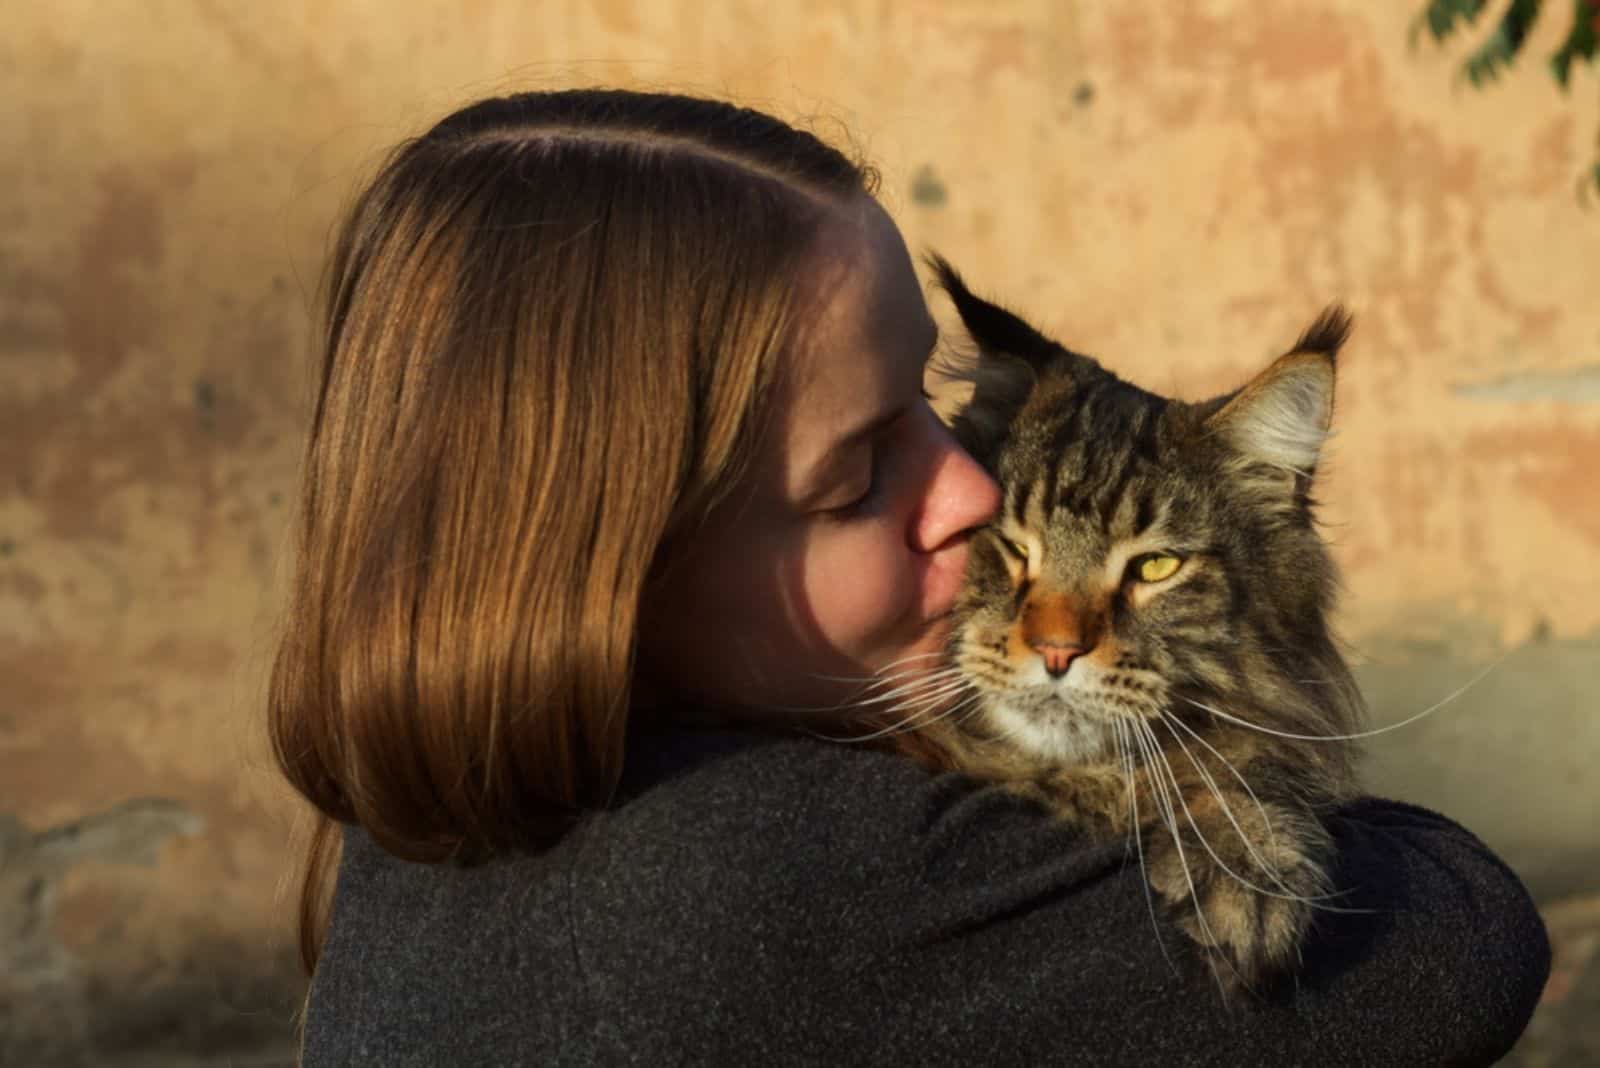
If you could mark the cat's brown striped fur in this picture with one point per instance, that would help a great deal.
(1106, 698)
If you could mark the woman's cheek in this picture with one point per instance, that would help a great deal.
(862, 586)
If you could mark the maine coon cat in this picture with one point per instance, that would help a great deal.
(1143, 627)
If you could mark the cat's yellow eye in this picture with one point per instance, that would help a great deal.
(1157, 567)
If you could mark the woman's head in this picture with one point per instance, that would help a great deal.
(839, 554)
(566, 337)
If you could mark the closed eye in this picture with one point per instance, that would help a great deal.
(1016, 549)
(852, 509)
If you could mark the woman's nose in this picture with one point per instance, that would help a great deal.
(960, 496)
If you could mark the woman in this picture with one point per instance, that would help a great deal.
(621, 471)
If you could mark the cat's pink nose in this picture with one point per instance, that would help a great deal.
(1058, 656)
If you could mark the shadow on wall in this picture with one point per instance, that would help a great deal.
(1511, 758)
(216, 998)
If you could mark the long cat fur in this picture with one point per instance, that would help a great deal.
(1140, 736)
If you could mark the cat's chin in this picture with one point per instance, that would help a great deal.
(1053, 729)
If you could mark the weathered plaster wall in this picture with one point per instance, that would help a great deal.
(1175, 188)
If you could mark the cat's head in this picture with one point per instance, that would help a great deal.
(1151, 557)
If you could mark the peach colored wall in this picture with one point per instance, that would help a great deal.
(1174, 188)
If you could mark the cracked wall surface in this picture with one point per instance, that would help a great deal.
(1176, 189)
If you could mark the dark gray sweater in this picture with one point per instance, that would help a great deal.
(755, 900)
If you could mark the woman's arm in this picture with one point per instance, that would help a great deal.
(1453, 944)
(822, 901)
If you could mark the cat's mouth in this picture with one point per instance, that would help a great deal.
(1101, 695)
(1094, 703)
(1053, 726)
(1076, 714)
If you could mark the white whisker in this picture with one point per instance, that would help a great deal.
(1350, 737)
(882, 672)
(1227, 809)
(1271, 834)
(1163, 803)
(1152, 749)
(1125, 749)
(910, 721)
(901, 693)
(1287, 894)
(912, 690)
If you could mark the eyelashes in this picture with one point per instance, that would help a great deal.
(880, 455)
(856, 508)
(846, 512)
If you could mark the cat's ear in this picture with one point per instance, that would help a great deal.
(1281, 418)
(1010, 355)
(998, 332)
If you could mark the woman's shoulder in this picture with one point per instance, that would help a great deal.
(704, 803)
(789, 834)
(794, 889)
(807, 804)
(750, 778)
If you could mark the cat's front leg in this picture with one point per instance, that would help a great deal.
(1240, 879)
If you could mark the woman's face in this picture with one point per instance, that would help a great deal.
(840, 556)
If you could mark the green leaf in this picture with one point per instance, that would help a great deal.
(1580, 43)
(1502, 45)
(1443, 16)
(1587, 181)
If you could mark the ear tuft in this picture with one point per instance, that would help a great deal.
(996, 330)
(1327, 334)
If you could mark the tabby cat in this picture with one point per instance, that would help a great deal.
(1144, 630)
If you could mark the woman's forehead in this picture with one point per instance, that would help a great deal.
(866, 323)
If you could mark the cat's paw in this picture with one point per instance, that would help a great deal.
(1247, 902)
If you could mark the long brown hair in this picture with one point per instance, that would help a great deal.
(548, 330)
